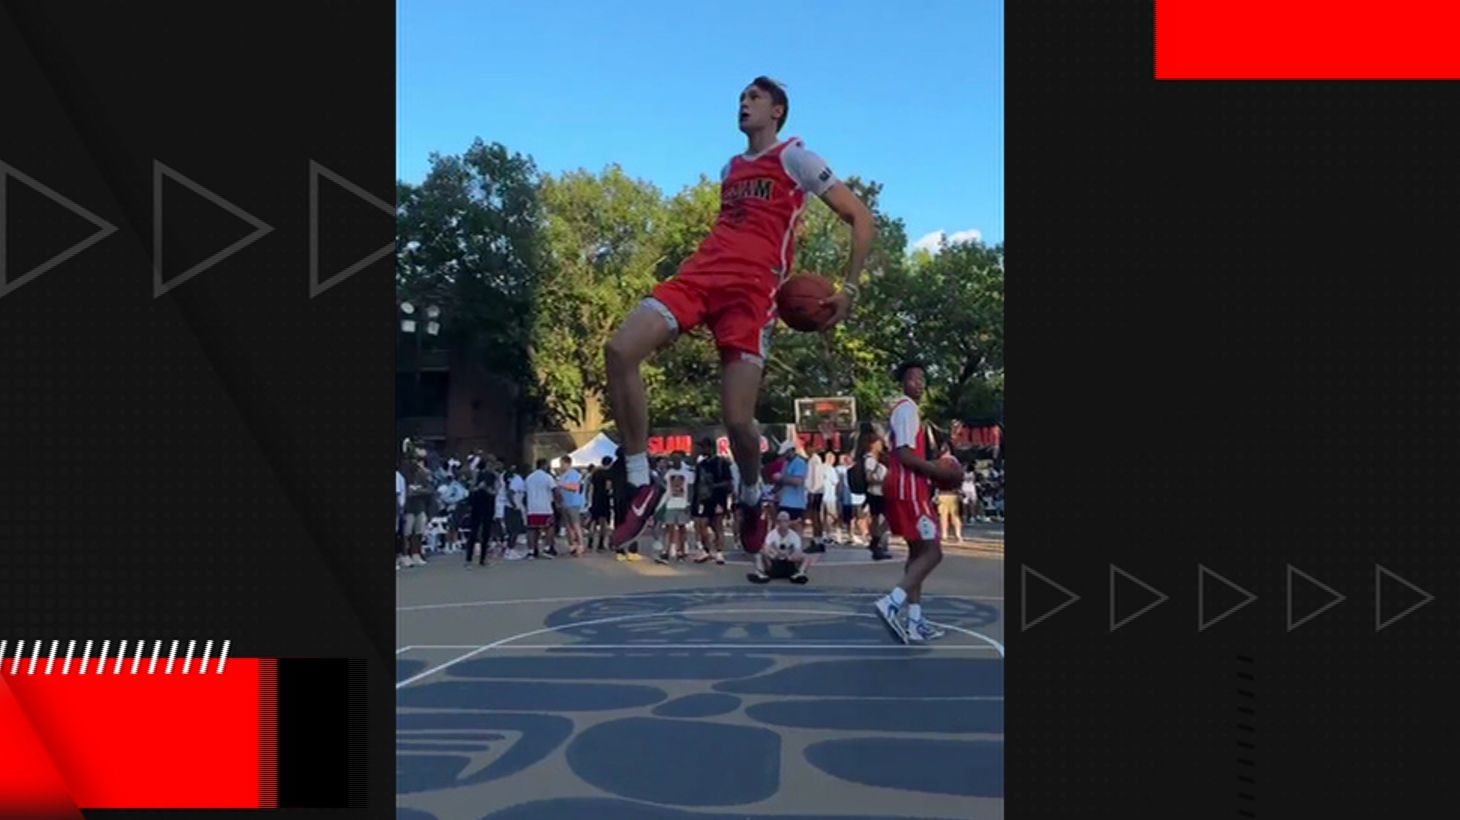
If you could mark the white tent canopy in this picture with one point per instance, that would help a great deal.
(594, 451)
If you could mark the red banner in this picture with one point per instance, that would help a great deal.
(100, 738)
(1307, 39)
(963, 435)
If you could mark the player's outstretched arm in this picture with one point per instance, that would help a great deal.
(864, 230)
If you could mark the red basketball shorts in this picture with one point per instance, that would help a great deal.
(912, 518)
(738, 308)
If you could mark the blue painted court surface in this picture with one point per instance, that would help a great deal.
(589, 688)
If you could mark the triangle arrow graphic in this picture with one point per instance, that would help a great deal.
(1338, 598)
(1379, 574)
(1161, 597)
(1202, 621)
(161, 172)
(316, 286)
(103, 229)
(1024, 622)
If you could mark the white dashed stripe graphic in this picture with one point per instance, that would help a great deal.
(83, 665)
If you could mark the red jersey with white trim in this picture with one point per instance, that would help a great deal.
(905, 430)
(761, 200)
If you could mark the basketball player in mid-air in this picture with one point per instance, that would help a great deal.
(908, 491)
(729, 285)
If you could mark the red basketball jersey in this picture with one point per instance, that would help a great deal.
(905, 430)
(760, 204)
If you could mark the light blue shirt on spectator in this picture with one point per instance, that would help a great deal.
(795, 497)
(571, 499)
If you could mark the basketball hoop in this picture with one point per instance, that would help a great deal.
(826, 415)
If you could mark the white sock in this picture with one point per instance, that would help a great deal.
(898, 596)
(915, 612)
(750, 494)
(637, 465)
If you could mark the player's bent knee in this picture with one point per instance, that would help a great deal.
(617, 354)
(742, 430)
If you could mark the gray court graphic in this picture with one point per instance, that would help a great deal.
(792, 706)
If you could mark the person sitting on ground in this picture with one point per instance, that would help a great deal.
(782, 555)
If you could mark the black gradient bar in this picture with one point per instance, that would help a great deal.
(314, 733)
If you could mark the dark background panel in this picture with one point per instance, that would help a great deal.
(212, 463)
(314, 733)
(1233, 319)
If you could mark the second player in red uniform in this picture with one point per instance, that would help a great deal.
(729, 285)
(908, 492)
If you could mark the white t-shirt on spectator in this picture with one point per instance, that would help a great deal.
(790, 543)
(677, 488)
(876, 473)
(815, 476)
(540, 486)
(400, 492)
(518, 490)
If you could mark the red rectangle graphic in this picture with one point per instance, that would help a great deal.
(1307, 40)
(120, 739)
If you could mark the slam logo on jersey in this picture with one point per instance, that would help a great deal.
(757, 188)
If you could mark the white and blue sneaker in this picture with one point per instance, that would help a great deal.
(921, 631)
(892, 614)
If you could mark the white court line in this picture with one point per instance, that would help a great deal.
(642, 615)
(631, 595)
(409, 648)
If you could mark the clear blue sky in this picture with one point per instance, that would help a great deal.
(910, 94)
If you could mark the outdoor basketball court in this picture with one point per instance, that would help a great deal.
(590, 688)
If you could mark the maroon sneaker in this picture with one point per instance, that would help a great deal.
(640, 511)
(752, 527)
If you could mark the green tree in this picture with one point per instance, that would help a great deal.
(946, 309)
(601, 254)
(468, 238)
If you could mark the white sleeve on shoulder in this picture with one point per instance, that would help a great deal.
(905, 424)
(809, 170)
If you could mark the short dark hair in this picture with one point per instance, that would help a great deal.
(778, 97)
(607, 460)
(541, 463)
(900, 372)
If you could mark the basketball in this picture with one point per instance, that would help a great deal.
(950, 485)
(799, 302)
